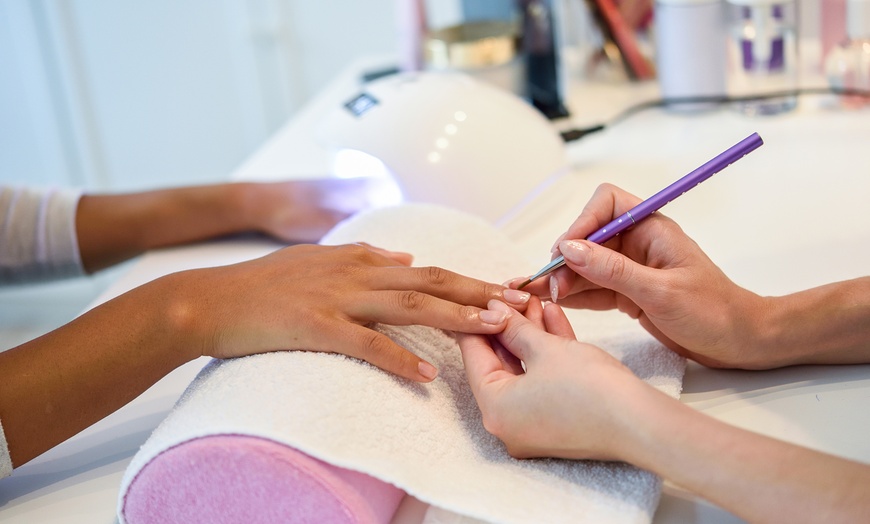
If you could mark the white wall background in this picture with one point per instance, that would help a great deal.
(121, 94)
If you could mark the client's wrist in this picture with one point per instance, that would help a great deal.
(243, 205)
(185, 323)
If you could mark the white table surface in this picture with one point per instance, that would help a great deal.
(792, 215)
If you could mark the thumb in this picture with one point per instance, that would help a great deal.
(522, 337)
(609, 269)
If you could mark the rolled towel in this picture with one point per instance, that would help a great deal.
(427, 439)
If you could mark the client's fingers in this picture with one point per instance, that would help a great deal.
(409, 307)
(441, 283)
(377, 349)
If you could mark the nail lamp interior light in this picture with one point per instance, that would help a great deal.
(447, 139)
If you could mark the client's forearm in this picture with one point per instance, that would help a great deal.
(825, 325)
(755, 477)
(59, 384)
(113, 228)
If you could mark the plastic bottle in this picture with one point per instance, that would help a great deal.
(690, 50)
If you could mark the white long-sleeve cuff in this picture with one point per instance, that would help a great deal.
(38, 239)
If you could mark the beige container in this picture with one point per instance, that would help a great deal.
(486, 50)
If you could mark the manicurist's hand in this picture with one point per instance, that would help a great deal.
(658, 275)
(576, 401)
(573, 401)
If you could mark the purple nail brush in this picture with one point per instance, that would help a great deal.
(660, 199)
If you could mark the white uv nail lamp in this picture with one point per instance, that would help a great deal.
(448, 139)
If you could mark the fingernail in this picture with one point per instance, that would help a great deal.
(493, 317)
(575, 252)
(558, 241)
(498, 305)
(516, 280)
(554, 289)
(515, 296)
(427, 370)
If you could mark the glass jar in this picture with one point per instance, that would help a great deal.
(763, 55)
(847, 65)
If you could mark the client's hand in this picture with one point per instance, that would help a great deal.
(321, 298)
(658, 275)
(304, 210)
(115, 227)
(302, 297)
(573, 401)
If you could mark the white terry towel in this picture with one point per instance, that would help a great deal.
(427, 439)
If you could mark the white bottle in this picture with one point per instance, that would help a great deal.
(847, 66)
(690, 50)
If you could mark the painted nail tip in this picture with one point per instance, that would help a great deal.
(516, 297)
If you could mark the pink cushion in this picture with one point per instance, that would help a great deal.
(235, 478)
